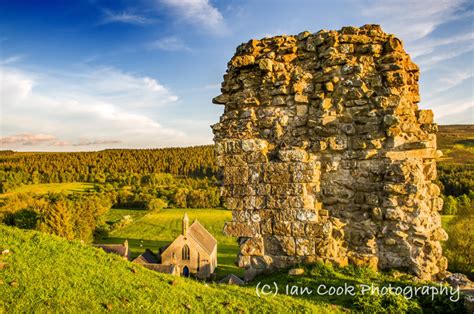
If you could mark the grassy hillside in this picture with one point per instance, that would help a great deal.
(49, 274)
(457, 144)
(156, 229)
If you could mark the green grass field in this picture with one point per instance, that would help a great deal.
(44, 188)
(156, 229)
(47, 274)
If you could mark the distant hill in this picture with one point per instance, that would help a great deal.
(49, 274)
(457, 143)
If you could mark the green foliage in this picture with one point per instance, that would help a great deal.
(72, 216)
(450, 206)
(373, 292)
(385, 303)
(459, 249)
(456, 179)
(156, 204)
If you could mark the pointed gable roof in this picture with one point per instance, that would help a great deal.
(202, 237)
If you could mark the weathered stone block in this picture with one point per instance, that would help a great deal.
(252, 246)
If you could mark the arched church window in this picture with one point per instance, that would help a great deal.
(185, 252)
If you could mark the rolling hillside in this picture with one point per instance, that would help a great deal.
(49, 274)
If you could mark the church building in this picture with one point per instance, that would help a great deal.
(194, 251)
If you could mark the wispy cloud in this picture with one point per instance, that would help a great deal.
(430, 45)
(124, 17)
(69, 110)
(26, 139)
(412, 20)
(11, 59)
(427, 61)
(91, 142)
(169, 44)
(198, 12)
(447, 80)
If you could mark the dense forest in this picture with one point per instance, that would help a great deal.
(121, 165)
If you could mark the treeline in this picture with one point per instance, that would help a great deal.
(73, 216)
(123, 166)
(455, 179)
(160, 190)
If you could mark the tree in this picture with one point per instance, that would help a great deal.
(156, 204)
(450, 206)
(460, 245)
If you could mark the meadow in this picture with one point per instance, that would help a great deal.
(43, 188)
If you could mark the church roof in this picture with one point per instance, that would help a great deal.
(202, 237)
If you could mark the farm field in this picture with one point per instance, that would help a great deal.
(155, 229)
(43, 188)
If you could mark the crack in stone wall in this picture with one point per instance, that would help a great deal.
(325, 155)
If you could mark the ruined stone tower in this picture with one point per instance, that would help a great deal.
(325, 155)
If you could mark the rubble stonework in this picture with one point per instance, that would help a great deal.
(325, 155)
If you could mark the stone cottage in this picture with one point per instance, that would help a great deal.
(119, 249)
(194, 251)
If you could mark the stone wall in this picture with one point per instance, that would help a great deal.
(325, 155)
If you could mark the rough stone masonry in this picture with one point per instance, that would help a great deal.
(325, 155)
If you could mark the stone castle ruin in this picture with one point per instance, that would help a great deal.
(325, 155)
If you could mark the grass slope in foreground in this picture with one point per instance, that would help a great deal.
(48, 273)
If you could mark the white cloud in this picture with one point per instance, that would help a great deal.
(412, 20)
(124, 17)
(92, 107)
(169, 44)
(442, 111)
(198, 12)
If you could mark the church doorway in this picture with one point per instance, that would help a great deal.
(185, 271)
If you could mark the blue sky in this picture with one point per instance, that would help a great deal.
(89, 75)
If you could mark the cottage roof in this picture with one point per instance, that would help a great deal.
(148, 257)
(202, 237)
(119, 249)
